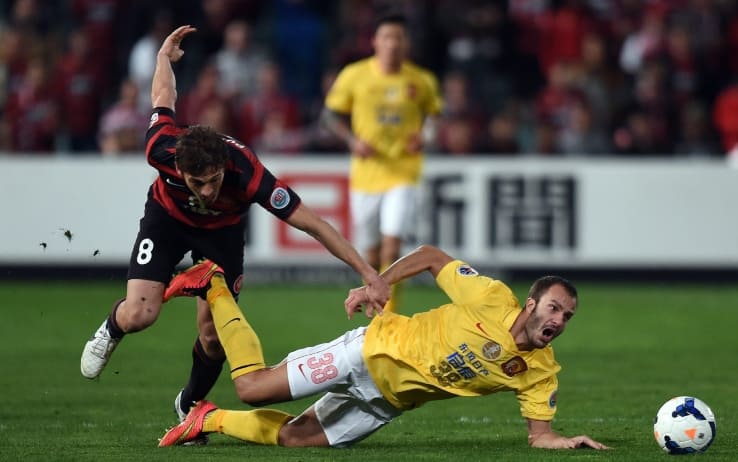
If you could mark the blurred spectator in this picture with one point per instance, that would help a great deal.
(501, 135)
(33, 16)
(123, 126)
(30, 119)
(142, 59)
(636, 137)
(270, 107)
(684, 75)
(456, 136)
(481, 39)
(598, 81)
(98, 19)
(277, 135)
(217, 114)
(695, 138)
(192, 104)
(79, 89)
(563, 29)
(354, 32)
(239, 62)
(645, 41)
(13, 60)
(461, 116)
(652, 106)
(558, 100)
(545, 139)
(579, 136)
(458, 100)
(299, 41)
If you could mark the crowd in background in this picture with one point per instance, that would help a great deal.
(555, 77)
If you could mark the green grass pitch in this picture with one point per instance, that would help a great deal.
(629, 349)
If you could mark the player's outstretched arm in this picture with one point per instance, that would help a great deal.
(424, 258)
(163, 84)
(540, 435)
(305, 219)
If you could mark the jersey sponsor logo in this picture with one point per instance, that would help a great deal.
(473, 360)
(491, 350)
(466, 270)
(280, 198)
(154, 119)
(552, 399)
(515, 366)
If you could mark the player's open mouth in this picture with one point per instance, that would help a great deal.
(548, 333)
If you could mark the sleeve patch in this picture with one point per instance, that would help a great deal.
(552, 399)
(154, 119)
(466, 270)
(280, 198)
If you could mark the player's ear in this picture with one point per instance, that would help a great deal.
(529, 304)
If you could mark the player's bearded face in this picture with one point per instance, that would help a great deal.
(205, 187)
(549, 317)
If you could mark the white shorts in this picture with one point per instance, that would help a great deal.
(353, 408)
(391, 213)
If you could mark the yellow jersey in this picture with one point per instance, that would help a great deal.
(386, 110)
(464, 348)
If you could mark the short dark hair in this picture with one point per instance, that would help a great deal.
(200, 149)
(391, 18)
(542, 284)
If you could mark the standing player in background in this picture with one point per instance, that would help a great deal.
(380, 106)
(206, 183)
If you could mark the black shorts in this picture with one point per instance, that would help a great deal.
(163, 241)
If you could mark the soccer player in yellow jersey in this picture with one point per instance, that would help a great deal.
(380, 106)
(482, 342)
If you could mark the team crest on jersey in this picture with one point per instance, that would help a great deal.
(280, 198)
(154, 119)
(514, 366)
(466, 270)
(491, 350)
(552, 399)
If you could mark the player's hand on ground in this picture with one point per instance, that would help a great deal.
(170, 47)
(584, 441)
(361, 148)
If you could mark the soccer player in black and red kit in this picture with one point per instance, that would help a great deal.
(206, 183)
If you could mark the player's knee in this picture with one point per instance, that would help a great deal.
(289, 438)
(255, 389)
(302, 431)
(137, 315)
(248, 390)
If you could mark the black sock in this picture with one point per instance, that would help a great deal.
(115, 331)
(205, 372)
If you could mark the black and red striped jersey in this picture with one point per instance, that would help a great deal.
(246, 180)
